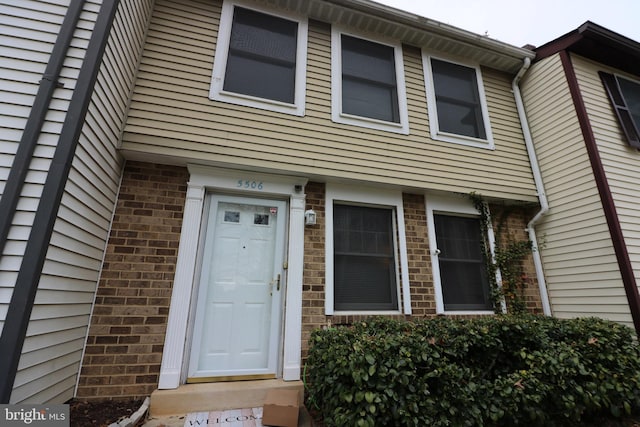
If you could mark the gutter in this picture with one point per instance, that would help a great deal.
(537, 178)
(398, 16)
(33, 127)
(22, 299)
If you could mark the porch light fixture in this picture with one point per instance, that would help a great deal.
(310, 217)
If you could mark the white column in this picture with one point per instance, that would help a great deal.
(293, 311)
(175, 339)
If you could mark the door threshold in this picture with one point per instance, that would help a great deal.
(196, 380)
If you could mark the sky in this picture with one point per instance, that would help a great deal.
(521, 22)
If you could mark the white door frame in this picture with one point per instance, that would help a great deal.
(173, 370)
(278, 222)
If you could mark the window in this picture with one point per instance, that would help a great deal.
(463, 276)
(365, 251)
(368, 84)
(459, 270)
(364, 258)
(260, 60)
(624, 95)
(457, 107)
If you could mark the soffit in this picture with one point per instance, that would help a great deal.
(373, 18)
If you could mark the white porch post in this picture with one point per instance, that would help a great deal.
(174, 343)
(293, 312)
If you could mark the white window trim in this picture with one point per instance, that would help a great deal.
(336, 87)
(450, 206)
(216, 91)
(374, 197)
(436, 134)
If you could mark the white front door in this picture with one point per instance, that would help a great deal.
(238, 311)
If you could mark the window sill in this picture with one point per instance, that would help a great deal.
(366, 122)
(467, 313)
(255, 102)
(487, 144)
(365, 313)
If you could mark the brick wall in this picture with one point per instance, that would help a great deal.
(126, 336)
(510, 222)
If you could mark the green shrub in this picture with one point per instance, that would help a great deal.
(498, 370)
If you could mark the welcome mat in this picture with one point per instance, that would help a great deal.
(248, 417)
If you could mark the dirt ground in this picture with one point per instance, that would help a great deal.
(101, 414)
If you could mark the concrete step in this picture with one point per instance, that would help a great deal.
(215, 396)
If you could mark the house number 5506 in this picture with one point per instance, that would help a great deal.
(248, 184)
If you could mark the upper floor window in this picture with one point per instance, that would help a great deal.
(260, 60)
(457, 107)
(368, 83)
(459, 271)
(624, 95)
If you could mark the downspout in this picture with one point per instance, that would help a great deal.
(21, 305)
(537, 178)
(33, 127)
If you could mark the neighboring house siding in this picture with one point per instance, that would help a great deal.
(172, 115)
(28, 32)
(53, 348)
(580, 265)
(620, 161)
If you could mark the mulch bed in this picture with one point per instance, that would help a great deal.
(101, 413)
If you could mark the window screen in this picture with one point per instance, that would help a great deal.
(463, 276)
(457, 99)
(364, 261)
(369, 80)
(262, 56)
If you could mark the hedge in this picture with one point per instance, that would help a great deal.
(498, 371)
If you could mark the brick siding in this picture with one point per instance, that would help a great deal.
(126, 336)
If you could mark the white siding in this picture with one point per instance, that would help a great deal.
(620, 161)
(579, 262)
(172, 116)
(52, 352)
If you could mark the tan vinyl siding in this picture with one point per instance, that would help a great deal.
(579, 261)
(53, 349)
(172, 115)
(620, 161)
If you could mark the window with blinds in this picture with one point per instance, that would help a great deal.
(364, 259)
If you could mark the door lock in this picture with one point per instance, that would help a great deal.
(277, 282)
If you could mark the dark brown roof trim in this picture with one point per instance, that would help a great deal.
(599, 44)
(615, 230)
